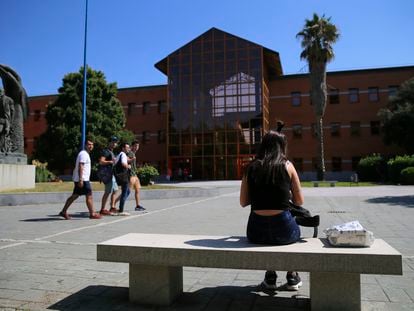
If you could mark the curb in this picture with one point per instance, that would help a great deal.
(32, 198)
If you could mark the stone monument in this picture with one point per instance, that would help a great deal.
(14, 171)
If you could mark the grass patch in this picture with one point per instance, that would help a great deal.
(67, 186)
(339, 184)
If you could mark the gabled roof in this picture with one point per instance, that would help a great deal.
(271, 58)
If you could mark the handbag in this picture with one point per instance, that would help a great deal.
(104, 173)
(121, 173)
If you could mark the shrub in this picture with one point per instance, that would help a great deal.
(146, 173)
(42, 173)
(407, 175)
(372, 168)
(396, 165)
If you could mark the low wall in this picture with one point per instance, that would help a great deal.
(17, 176)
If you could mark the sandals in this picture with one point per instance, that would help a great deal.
(65, 215)
(95, 216)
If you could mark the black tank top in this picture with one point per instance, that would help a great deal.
(269, 195)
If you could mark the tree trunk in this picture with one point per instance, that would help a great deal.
(319, 96)
(321, 153)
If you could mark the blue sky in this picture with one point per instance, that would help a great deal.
(43, 39)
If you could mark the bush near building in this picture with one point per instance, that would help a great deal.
(396, 165)
(372, 168)
(146, 174)
(407, 176)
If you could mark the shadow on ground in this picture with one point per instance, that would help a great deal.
(407, 200)
(79, 215)
(99, 297)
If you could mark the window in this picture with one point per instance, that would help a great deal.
(313, 130)
(130, 107)
(162, 106)
(36, 115)
(295, 98)
(392, 90)
(353, 95)
(373, 94)
(298, 163)
(335, 129)
(375, 127)
(315, 164)
(334, 96)
(297, 130)
(355, 128)
(161, 136)
(25, 142)
(145, 137)
(336, 164)
(145, 107)
(355, 162)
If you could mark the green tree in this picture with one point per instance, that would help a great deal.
(105, 117)
(318, 36)
(398, 118)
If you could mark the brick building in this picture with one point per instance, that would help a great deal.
(224, 92)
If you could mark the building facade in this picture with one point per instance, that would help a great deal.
(225, 92)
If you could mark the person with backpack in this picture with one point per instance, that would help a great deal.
(122, 176)
(105, 174)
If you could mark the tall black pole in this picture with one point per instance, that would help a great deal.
(84, 81)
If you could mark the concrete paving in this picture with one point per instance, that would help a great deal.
(49, 263)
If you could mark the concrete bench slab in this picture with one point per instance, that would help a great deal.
(156, 262)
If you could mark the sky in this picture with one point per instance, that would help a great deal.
(44, 39)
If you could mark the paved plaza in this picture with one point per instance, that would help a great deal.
(47, 263)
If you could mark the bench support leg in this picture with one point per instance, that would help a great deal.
(155, 285)
(335, 291)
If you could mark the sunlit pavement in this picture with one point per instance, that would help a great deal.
(49, 263)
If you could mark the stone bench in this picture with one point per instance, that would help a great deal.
(156, 264)
(330, 182)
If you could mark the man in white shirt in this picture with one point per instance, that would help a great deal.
(81, 175)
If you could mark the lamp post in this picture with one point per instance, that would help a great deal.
(84, 81)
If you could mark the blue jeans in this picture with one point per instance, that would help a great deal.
(124, 196)
(274, 230)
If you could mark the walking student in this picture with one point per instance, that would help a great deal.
(268, 185)
(134, 180)
(107, 158)
(81, 175)
(121, 172)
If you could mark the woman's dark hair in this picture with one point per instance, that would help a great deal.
(271, 159)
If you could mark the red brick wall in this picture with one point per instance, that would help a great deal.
(364, 111)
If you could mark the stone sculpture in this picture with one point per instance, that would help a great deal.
(13, 111)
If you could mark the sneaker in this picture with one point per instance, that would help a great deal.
(139, 208)
(269, 281)
(293, 281)
(95, 216)
(105, 212)
(123, 214)
(113, 210)
(65, 215)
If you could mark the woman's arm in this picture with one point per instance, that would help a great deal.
(297, 196)
(244, 193)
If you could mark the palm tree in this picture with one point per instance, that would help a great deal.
(317, 37)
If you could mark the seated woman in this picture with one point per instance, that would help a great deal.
(270, 181)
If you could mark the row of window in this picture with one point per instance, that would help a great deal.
(146, 137)
(335, 129)
(336, 163)
(353, 95)
(146, 107)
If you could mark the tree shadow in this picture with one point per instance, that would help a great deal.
(100, 297)
(74, 216)
(406, 201)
